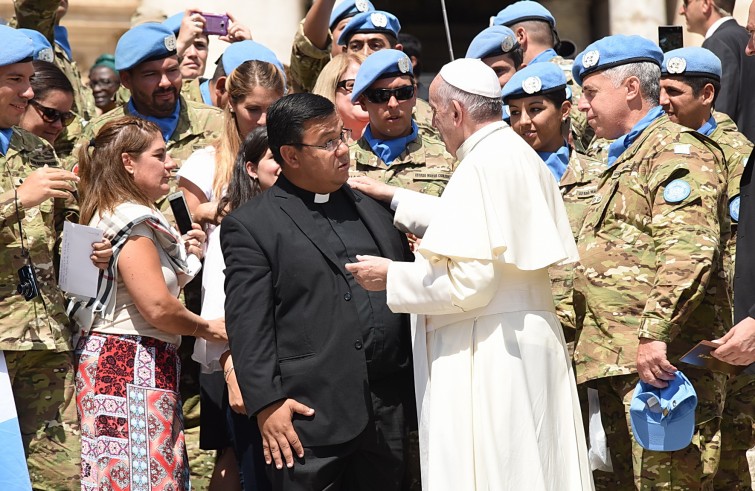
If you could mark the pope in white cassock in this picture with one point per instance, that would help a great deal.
(496, 396)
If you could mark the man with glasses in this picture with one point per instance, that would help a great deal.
(392, 148)
(726, 39)
(322, 364)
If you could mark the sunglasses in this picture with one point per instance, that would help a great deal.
(380, 96)
(50, 115)
(347, 85)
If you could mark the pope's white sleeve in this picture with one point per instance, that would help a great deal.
(414, 211)
(440, 285)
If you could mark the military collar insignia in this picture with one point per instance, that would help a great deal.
(170, 42)
(404, 64)
(532, 85)
(362, 5)
(676, 65)
(46, 54)
(591, 58)
(379, 20)
(507, 44)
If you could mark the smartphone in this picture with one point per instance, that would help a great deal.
(670, 37)
(215, 24)
(180, 211)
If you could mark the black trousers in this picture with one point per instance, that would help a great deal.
(373, 461)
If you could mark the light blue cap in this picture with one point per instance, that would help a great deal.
(174, 22)
(493, 41)
(615, 50)
(523, 11)
(691, 62)
(664, 419)
(378, 21)
(540, 78)
(145, 42)
(248, 50)
(349, 8)
(15, 46)
(42, 47)
(381, 64)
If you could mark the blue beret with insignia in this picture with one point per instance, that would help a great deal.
(349, 8)
(42, 47)
(691, 62)
(378, 21)
(15, 46)
(145, 42)
(174, 22)
(248, 50)
(523, 11)
(381, 64)
(540, 78)
(493, 41)
(612, 51)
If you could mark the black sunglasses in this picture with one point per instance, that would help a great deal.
(347, 85)
(380, 96)
(50, 115)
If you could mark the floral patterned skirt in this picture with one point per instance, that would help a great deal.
(131, 420)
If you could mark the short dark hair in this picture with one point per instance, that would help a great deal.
(48, 77)
(287, 116)
(698, 84)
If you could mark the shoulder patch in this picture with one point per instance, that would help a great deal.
(734, 209)
(682, 149)
(676, 191)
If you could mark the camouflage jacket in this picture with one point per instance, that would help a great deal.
(651, 252)
(190, 90)
(39, 324)
(307, 61)
(423, 166)
(578, 186)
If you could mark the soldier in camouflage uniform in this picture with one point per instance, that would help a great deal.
(392, 149)
(690, 82)
(35, 335)
(44, 16)
(186, 126)
(651, 268)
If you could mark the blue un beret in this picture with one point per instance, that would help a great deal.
(522, 11)
(42, 47)
(248, 50)
(540, 78)
(691, 62)
(612, 51)
(381, 64)
(493, 41)
(349, 8)
(145, 42)
(174, 22)
(378, 21)
(15, 46)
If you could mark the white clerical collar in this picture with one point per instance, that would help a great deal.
(478, 136)
(714, 27)
(322, 198)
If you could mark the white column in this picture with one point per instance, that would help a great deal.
(637, 17)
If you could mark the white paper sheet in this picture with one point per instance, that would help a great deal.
(78, 275)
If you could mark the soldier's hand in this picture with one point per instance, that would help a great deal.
(192, 26)
(738, 346)
(278, 436)
(45, 183)
(236, 31)
(372, 188)
(652, 365)
(371, 272)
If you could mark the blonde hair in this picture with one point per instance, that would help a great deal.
(239, 84)
(105, 183)
(327, 81)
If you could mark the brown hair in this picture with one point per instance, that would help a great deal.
(240, 84)
(105, 183)
(327, 81)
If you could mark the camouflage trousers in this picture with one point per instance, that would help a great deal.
(44, 391)
(737, 435)
(635, 468)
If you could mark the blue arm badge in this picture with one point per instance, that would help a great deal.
(734, 209)
(677, 191)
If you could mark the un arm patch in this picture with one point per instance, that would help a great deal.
(734, 209)
(677, 191)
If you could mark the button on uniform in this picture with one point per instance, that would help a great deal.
(347, 296)
(358, 345)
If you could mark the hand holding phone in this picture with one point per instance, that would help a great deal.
(180, 211)
(215, 24)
